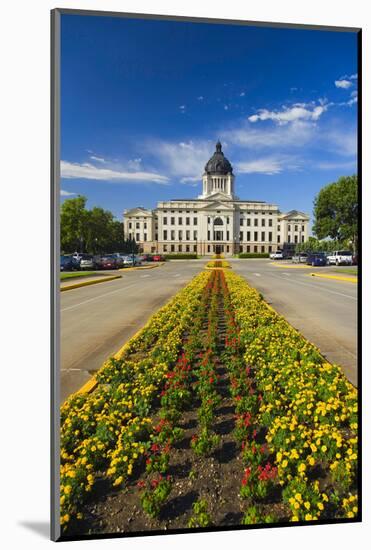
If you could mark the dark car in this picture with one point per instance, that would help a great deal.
(317, 259)
(67, 263)
(108, 261)
(146, 258)
(87, 261)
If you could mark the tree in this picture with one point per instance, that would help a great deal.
(73, 224)
(336, 211)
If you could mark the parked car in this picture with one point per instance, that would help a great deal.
(128, 261)
(67, 263)
(158, 258)
(300, 258)
(317, 259)
(146, 257)
(87, 262)
(340, 257)
(107, 261)
(276, 255)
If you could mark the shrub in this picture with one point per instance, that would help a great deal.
(181, 256)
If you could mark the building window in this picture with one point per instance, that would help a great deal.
(263, 249)
(296, 227)
(256, 222)
(289, 228)
(241, 221)
(208, 248)
(269, 249)
(188, 221)
(208, 219)
(263, 236)
(172, 221)
(188, 235)
(165, 247)
(248, 248)
(227, 248)
(208, 235)
(137, 237)
(172, 248)
(248, 221)
(278, 238)
(255, 236)
(270, 221)
(227, 219)
(172, 235)
(278, 228)
(145, 236)
(145, 225)
(187, 248)
(165, 235)
(227, 235)
(165, 220)
(248, 236)
(180, 248)
(296, 239)
(241, 236)
(156, 236)
(137, 225)
(270, 236)
(255, 248)
(263, 222)
(289, 239)
(302, 238)
(302, 228)
(194, 221)
(195, 248)
(130, 224)
(180, 235)
(180, 221)
(195, 235)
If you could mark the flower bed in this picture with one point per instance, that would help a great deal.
(218, 413)
(218, 264)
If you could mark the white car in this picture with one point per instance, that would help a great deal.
(340, 257)
(276, 255)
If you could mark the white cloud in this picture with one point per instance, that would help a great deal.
(268, 165)
(242, 94)
(66, 193)
(182, 108)
(339, 140)
(181, 159)
(74, 170)
(98, 159)
(190, 179)
(345, 84)
(200, 98)
(299, 111)
(226, 107)
(338, 165)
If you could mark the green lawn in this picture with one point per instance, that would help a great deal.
(350, 270)
(73, 274)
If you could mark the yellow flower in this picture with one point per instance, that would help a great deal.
(308, 517)
(284, 463)
(302, 467)
(298, 497)
(320, 506)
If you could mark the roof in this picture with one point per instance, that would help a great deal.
(218, 164)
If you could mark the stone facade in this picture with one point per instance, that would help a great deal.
(216, 222)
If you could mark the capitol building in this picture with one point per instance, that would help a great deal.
(216, 222)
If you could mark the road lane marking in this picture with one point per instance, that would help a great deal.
(318, 287)
(144, 276)
(257, 274)
(74, 306)
(177, 275)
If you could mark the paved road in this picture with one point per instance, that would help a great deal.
(97, 320)
(324, 310)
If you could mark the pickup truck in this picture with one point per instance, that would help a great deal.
(340, 257)
(276, 255)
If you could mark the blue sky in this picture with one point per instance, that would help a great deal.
(143, 103)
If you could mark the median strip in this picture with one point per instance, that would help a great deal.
(141, 267)
(290, 266)
(336, 277)
(91, 282)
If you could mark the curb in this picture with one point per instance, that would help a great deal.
(141, 267)
(336, 277)
(88, 283)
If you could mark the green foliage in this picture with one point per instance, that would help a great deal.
(315, 245)
(181, 256)
(336, 210)
(201, 517)
(153, 498)
(93, 231)
(253, 255)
